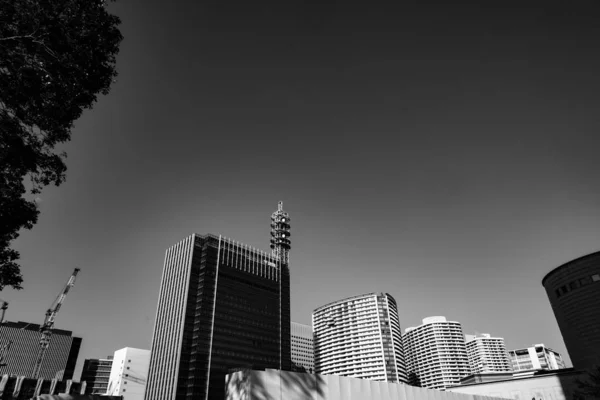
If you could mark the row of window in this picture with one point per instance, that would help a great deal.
(576, 284)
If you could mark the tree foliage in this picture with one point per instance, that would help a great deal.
(589, 388)
(56, 57)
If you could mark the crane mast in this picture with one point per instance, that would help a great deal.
(48, 325)
(3, 310)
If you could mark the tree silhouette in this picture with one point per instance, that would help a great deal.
(55, 58)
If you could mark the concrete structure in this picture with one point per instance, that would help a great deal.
(487, 354)
(281, 385)
(303, 354)
(537, 385)
(22, 388)
(95, 374)
(574, 293)
(360, 337)
(537, 356)
(129, 373)
(436, 356)
(222, 305)
(60, 359)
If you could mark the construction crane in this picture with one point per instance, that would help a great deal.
(48, 325)
(4, 349)
(4, 352)
(3, 310)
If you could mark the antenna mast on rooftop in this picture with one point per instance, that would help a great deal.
(280, 234)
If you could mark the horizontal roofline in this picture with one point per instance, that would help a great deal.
(563, 371)
(347, 299)
(569, 263)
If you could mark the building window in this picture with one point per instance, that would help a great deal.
(596, 278)
(585, 281)
(574, 285)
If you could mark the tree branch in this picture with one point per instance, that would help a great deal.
(30, 36)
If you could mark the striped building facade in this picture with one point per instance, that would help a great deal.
(360, 337)
(487, 354)
(95, 374)
(303, 353)
(60, 358)
(436, 355)
(222, 305)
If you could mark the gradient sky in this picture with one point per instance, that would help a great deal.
(445, 154)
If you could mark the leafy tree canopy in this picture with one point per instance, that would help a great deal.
(589, 387)
(56, 56)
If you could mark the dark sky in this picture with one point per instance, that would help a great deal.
(444, 153)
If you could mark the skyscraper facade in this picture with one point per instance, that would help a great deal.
(59, 361)
(436, 356)
(574, 293)
(222, 305)
(95, 374)
(360, 337)
(303, 354)
(536, 357)
(487, 354)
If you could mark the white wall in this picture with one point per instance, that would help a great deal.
(282, 385)
(129, 373)
(549, 387)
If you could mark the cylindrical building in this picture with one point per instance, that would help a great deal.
(436, 356)
(360, 337)
(574, 293)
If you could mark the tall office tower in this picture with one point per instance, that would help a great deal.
(95, 373)
(537, 356)
(128, 373)
(360, 337)
(222, 305)
(303, 355)
(436, 356)
(487, 354)
(60, 358)
(574, 293)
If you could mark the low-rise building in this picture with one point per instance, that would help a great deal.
(129, 373)
(536, 357)
(545, 385)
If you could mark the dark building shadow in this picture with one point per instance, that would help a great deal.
(582, 385)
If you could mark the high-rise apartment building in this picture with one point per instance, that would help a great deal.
(95, 374)
(574, 293)
(59, 361)
(222, 305)
(303, 355)
(487, 354)
(129, 373)
(537, 356)
(360, 337)
(436, 356)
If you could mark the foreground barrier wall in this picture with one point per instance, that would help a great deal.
(22, 388)
(283, 385)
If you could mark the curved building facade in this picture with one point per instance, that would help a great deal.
(436, 356)
(574, 293)
(360, 337)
